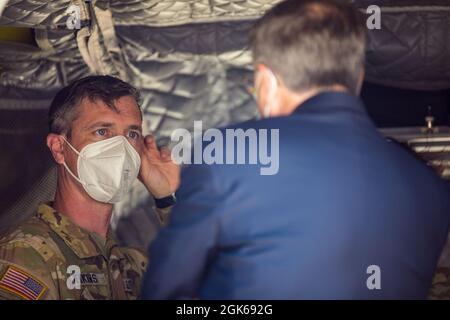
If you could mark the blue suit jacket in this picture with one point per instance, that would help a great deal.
(344, 199)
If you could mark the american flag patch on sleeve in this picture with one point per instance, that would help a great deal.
(21, 283)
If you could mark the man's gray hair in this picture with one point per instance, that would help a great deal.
(311, 43)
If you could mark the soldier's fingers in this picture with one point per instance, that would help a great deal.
(165, 153)
(150, 143)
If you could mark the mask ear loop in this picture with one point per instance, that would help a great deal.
(67, 167)
(273, 88)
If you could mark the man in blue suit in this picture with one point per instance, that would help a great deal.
(347, 215)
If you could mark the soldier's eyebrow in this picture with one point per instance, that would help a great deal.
(99, 124)
(135, 127)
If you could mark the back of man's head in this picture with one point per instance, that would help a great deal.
(312, 44)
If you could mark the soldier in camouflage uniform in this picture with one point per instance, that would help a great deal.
(44, 247)
(67, 250)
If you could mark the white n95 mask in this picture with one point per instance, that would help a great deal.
(107, 168)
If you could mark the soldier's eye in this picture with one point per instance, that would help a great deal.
(133, 135)
(101, 132)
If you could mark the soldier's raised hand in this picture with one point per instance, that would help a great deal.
(159, 174)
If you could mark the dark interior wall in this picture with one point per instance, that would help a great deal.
(24, 155)
(393, 107)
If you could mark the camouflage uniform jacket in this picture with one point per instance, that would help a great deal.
(49, 257)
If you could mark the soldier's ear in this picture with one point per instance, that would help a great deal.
(55, 143)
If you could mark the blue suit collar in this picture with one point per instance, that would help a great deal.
(331, 101)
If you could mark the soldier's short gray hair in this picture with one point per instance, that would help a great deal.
(63, 109)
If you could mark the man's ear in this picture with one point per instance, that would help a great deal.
(56, 145)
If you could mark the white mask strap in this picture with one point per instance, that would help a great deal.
(74, 150)
(72, 174)
(272, 90)
(266, 111)
(67, 167)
